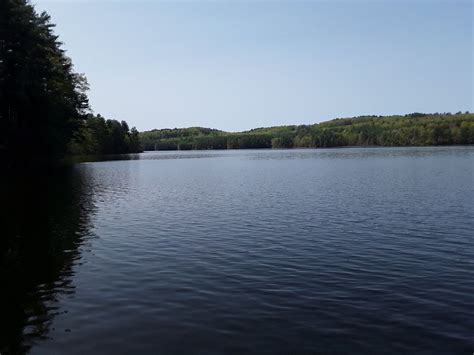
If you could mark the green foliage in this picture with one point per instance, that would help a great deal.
(248, 141)
(416, 129)
(283, 141)
(100, 136)
(184, 136)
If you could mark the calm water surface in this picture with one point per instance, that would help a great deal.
(267, 251)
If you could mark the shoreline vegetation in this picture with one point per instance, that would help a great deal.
(415, 129)
(44, 109)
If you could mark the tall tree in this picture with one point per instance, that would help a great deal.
(42, 100)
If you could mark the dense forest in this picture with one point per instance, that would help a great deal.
(416, 129)
(44, 108)
(100, 136)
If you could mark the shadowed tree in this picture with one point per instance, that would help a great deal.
(42, 99)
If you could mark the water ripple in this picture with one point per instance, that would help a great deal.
(300, 251)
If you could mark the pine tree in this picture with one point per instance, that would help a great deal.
(42, 99)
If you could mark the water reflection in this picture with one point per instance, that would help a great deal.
(106, 157)
(45, 222)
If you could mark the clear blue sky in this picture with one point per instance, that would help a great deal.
(236, 65)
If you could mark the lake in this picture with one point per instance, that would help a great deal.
(354, 250)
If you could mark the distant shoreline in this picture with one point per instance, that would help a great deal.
(309, 148)
(411, 130)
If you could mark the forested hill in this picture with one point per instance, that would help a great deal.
(416, 129)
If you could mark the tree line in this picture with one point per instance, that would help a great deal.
(415, 129)
(100, 136)
(44, 108)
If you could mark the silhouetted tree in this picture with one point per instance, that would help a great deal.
(42, 99)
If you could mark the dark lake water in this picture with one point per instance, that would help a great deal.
(268, 252)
